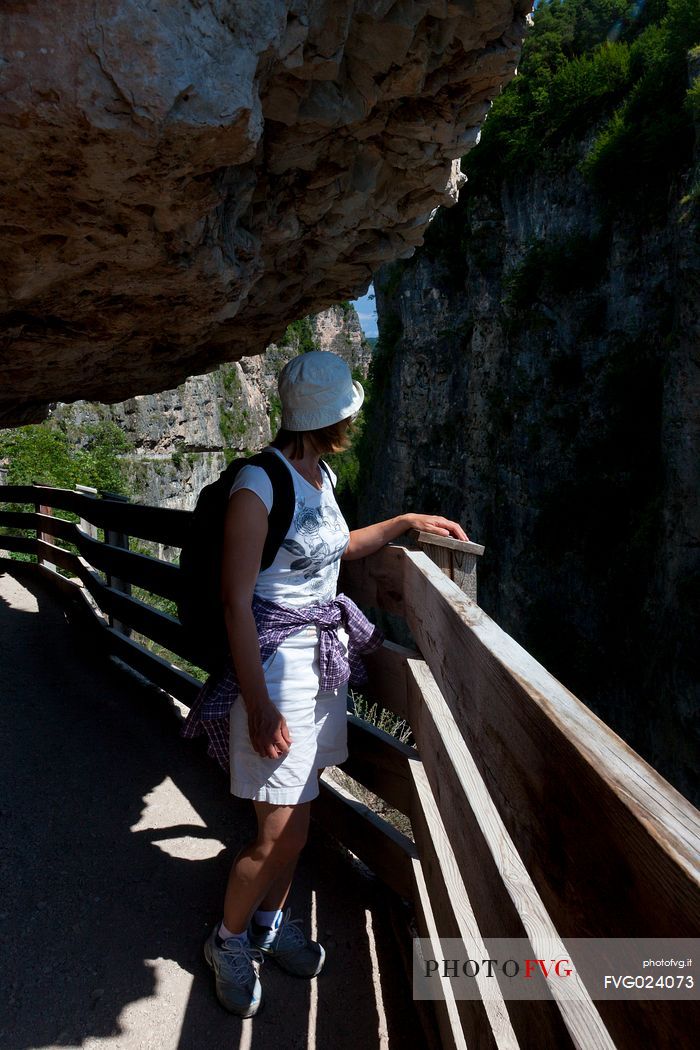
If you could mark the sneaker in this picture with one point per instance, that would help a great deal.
(290, 947)
(236, 966)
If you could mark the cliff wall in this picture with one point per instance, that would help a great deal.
(537, 379)
(182, 438)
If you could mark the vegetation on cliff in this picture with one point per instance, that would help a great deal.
(609, 68)
(52, 453)
(534, 366)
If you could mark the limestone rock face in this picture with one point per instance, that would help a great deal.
(182, 438)
(179, 179)
(537, 379)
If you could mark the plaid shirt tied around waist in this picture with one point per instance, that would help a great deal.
(210, 712)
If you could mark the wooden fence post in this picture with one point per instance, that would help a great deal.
(85, 525)
(115, 538)
(456, 558)
(45, 537)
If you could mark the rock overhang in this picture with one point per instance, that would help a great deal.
(181, 180)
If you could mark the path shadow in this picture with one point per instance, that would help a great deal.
(113, 868)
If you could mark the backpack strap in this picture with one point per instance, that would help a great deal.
(282, 510)
(325, 467)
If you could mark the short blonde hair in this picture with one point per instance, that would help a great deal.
(336, 437)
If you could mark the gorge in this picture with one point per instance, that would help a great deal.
(537, 378)
(537, 375)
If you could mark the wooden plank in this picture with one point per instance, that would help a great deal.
(119, 540)
(17, 519)
(485, 1021)
(158, 626)
(161, 672)
(446, 1010)
(46, 512)
(456, 558)
(376, 581)
(380, 762)
(154, 575)
(59, 528)
(85, 525)
(376, 842)
(18, 494)
(22, 544)
(460, 568)
(503, 889)
(66, 560)
(610, 846)
(159, 524)
(463, 546)
(47, 496)
(502, 895)
(545, 754)
(386, 671)
(479, 888)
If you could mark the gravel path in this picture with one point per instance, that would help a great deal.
(117, 839)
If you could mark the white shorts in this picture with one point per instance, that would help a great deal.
(317, 724)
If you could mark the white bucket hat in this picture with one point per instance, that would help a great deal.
(317, 389)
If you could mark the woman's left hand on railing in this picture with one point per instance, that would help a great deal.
(366, 541)
(436, 525)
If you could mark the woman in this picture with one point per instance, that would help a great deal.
(293, 642)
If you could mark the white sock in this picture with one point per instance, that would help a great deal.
(226, 934)
(271, 919)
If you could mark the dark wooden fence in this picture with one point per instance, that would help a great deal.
(530, 817)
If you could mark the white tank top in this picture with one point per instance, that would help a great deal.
(306, 567)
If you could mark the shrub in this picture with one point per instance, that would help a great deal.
(617, 69)
(301, 334)
(47, 453)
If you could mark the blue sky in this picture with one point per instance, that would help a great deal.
(367, 312)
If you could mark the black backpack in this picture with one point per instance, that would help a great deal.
(199, 607)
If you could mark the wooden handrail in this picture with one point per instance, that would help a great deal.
(458, 559)
(499, 693)
(607, 846)
(530, 815)
(158, 524)
(143, 570)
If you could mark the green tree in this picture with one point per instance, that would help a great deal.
(49, 453)
(610, 67)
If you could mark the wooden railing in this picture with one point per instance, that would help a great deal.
(530, 817)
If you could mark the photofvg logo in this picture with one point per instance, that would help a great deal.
(574, 968)
(507, 968)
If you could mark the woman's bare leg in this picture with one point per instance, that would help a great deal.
(263, 870)
(277, 893)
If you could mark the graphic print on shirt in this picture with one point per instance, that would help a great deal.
(315, 553)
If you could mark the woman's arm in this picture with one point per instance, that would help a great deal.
(372, 537)
(245, 530)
